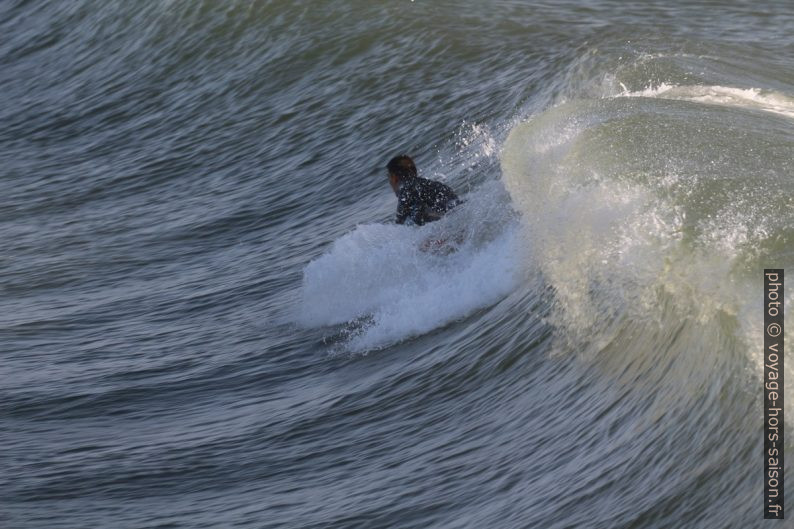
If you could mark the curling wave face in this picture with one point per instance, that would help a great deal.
(654, 211)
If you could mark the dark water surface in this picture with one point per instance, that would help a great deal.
(208, 319)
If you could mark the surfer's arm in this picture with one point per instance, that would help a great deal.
(403, 207)
(401, 215)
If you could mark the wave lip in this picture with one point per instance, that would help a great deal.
(750, 98)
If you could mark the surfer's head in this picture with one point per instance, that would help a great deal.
(400, 168)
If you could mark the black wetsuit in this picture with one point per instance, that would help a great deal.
(423, 200)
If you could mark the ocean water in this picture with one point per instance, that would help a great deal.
(208, 318)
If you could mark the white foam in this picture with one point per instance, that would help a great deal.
(751, 98)
(377, 279)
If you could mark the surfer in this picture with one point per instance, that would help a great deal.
(418, 199)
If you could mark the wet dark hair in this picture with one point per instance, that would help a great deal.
(402, 166)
